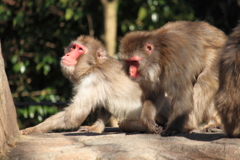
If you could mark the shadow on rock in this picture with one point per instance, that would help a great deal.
(108, 130)
(202, 136)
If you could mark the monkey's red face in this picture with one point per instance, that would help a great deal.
(71, 58)
(133, 64)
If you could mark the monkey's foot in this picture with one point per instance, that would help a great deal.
(169, 132)
(27, 131)
(86, 129)
(215, 128)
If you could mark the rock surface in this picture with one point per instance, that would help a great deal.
(8, 119)
(121, 146)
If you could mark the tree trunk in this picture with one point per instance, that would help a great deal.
(8, 118)
(110, 29)
(110, 25)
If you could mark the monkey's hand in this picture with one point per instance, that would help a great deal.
(156, 129)
(213, 128)
(93, 128)
(28, 131)
(153, 127)
(169, 132)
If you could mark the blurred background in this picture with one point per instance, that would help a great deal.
(34, 33)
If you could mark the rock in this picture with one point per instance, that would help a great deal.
(121, 146)
(8, 119)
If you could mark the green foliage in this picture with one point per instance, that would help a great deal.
(34, 114)
(152, 14)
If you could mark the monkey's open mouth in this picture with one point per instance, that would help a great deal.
(135, 76)
(133, 69)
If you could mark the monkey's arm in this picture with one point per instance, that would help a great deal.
(148, 114)
(99, 125)
(71, 117)
(179, 120)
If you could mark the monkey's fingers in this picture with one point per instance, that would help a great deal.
(159, 129)
(26, 131)
(213, 128)
(86, 129)
(152, 126)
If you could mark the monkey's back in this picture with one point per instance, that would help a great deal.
(227, 98)
(196, 33)
(189, 49)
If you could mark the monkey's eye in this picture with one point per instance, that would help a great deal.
(149, 47)
(73, 47)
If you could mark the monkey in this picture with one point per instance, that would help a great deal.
(99, 82)
(227, 98)
(181, 58)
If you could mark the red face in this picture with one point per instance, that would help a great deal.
(133, 64)
(71, 58)
(134, 61)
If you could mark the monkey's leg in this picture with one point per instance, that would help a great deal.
(71, 117)
(182, 106)
(148, 115)
(132, 126)
(205, 89)
(163, 112)
(214, 124)
(99, 125)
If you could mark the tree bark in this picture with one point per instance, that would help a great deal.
(8, 118)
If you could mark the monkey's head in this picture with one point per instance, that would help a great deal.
(137, 49)
(84, 53)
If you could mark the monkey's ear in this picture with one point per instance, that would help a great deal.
(149, 47)
(100, 53)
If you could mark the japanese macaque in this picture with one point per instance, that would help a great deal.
(100, 82)
(227, 97)
(182, 59)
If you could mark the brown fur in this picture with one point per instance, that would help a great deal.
(100, 82)
(183, 61)
(227, 98)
